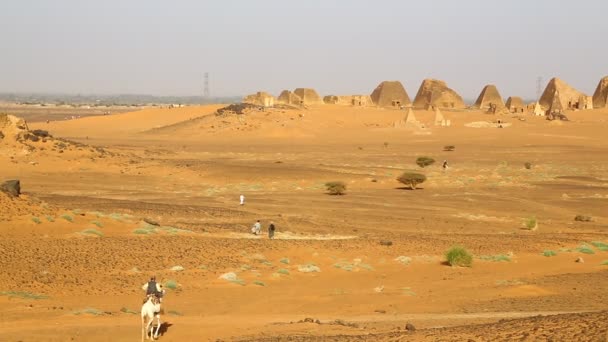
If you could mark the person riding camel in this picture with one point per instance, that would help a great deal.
(153, 288)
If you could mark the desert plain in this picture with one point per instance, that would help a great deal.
(110, 200)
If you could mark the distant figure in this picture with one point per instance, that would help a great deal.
(242, 198)
(257, 228)
(271, 230)
(445, 165)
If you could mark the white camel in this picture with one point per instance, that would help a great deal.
(149, 311)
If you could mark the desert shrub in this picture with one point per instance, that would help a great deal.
(23, 295)
(496, 258)
(92, 231)
(50, 218)
(531, 223)
(549, 253)
(36, 220)
(459, 256)
(127, 310)
(583, 218)
(335, 188)
(528, 165)
(171, 284)
(424, 161)
(98, 224)
(412, 179)
(259, 283)
(177, 268)
(449, 148)
(283, 271)
(585, 249)
(67, 218)
(600, 245)
(604, 263)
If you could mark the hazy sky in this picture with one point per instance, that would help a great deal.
(163, 47)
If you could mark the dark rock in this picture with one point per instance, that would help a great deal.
(151, 222)
(41, 133)
(31, 137)
(410, 327)
(11, 187)
(386, 243)
(1, 135)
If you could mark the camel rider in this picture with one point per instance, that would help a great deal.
(153, 288)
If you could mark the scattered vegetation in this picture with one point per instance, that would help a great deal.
(459, 256)
(142, 231)
(90, 311)
(67, 218)
(177, 268)
(449, 148)
(583, 218)
(284, 261)
(92, 231)
(259, 283)
(604, 263)
(412, 179)
(50, 218)
(336, 188)
(283, 271)
(175, 313)
(549, 253)
(425, 161)
(528, 165)
(98, 224)
(600, 245)
(585, 249)
(36, 220)
(531, 223)
(171, 284)
(23, 295)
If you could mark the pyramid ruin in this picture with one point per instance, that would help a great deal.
(260, 99)
(439, 119)
(390, 94)
(515, 104)
(409, 120)
(600, 97)
(289, 98)
(308, 96)
(558, 95)
(348, 100)
(489, 99)
(435, 93)
(538, 110)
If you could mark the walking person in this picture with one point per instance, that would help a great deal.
(445, 165)
(242, 199)
(271, 230)
(257, 228)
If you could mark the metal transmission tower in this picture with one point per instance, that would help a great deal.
(539, 85)
(206, 86)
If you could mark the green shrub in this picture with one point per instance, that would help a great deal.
(459, 256)
(549, 253)
(496, 258)
(425, 161)
(336, 188)
(50, 218)
(259, 283)
(171, 284)
(412, 179)
(600, 245)
(531, 223)
(36, 220)
(92, 231)
(67, 218)
(98, 224)
(585, 249)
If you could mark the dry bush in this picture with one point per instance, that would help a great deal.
(425, 161)
(412, 179)
(336, 188)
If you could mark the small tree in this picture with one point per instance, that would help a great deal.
(412, 179)
(449, 148)
(458, 256)
(336, 188)
(425, 161)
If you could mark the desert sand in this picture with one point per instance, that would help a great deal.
(109, 201)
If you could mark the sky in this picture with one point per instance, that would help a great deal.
(338, 47)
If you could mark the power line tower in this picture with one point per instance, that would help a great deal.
(539, 85)
(206, 86)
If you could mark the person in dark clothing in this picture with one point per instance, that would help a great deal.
(271, 230)
(152, 287)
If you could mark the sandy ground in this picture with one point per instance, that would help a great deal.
(76, 249)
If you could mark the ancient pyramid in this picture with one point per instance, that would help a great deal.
(515, 104)
(308, 96)
(260, 99)
(390, 94)
(289, 98)
(489, 96)
(435, 93)
(600, 97)
(559, 91)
